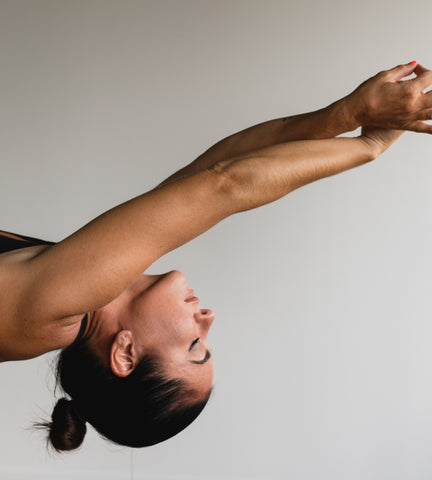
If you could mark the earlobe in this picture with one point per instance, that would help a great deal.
(122, 357)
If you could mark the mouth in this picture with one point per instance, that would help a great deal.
(191, 298)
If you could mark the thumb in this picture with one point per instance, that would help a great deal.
(398, 73)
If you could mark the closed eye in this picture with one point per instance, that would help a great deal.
(193, 343)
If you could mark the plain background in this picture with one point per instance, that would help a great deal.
(322, 338)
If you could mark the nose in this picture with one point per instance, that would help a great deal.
(205, 317)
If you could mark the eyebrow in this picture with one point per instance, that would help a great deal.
(204, 360)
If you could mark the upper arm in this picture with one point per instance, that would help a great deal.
(94, 265)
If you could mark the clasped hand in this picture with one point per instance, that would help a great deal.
(388, 101)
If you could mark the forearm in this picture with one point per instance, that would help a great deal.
(264, 176)
(327, 122)
(384, 101)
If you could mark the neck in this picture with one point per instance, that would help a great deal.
(104, 324)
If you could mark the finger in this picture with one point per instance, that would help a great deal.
(396, 74)
(419, 127)
(425, 114)
(424, 77)
(420, 69)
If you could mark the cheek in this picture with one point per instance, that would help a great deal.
(167, 314)
(182, 328)
(172, 323)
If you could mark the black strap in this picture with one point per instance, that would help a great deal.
(7, 244)
(81, 332)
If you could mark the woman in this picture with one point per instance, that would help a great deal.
(135, 360)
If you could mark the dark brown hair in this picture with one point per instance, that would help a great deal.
(139, 410)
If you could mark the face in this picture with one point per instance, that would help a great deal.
(167, 321)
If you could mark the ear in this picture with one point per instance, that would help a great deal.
(123, 359)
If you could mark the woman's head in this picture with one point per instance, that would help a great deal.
(142, 372)
(158, 315)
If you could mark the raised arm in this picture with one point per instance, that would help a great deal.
(385, 101)
(324, 123)
(94, 265)
(261, 177)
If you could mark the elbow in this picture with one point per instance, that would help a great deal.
(226, 184)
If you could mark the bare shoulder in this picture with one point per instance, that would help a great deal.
(24, 335)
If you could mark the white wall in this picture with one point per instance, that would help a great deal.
(322, 340)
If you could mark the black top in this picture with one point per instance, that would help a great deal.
(8, 244)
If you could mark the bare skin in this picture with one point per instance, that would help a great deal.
(96, 268)
(157, 315)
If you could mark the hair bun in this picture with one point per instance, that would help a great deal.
(67, 429)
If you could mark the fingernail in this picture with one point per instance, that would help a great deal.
(413, 62)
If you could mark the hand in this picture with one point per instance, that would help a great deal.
(388, 101)
(379, 139)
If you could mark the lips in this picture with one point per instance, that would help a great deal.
(191, 298)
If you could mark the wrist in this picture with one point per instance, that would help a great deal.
(350, 113)
(371, 146)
